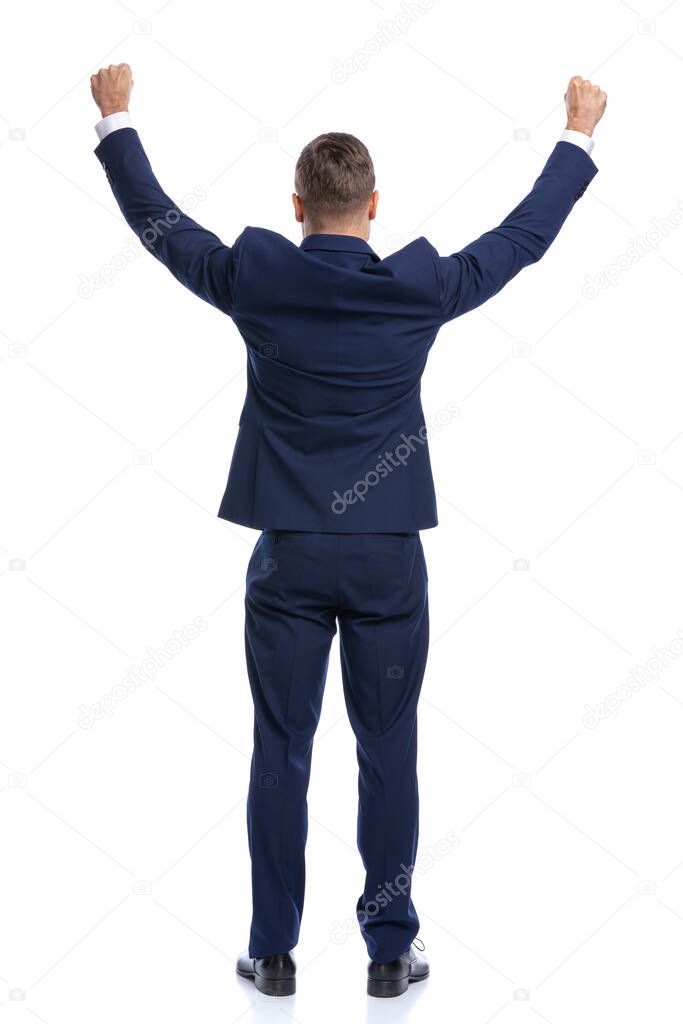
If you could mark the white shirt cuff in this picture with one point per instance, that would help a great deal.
(122, 119)
(580, 139)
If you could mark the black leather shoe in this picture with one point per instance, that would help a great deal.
(273, 975)
(392, 979)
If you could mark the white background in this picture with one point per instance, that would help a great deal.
(562, 897)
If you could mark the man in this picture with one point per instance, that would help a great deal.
(331, 465)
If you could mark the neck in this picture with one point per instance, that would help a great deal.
(336, 229)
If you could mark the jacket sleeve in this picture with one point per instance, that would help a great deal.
(468, 278)
(195, 256)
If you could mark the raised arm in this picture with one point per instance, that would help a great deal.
(195, 256)
(476, 273)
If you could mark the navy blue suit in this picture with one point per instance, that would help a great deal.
(332, 464)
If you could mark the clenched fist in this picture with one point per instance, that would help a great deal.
(111, 88)
(585, 104)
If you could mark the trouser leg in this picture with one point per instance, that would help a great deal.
(288, 632)
(384, 632)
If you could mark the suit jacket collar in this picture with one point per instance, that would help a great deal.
(338, 243)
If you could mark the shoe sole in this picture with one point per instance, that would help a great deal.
(271, 986)
(389, 989)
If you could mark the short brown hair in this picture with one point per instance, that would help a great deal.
(334, 176)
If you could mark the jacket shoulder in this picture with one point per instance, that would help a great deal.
(420, 250)
(417, 260)
(264, 237)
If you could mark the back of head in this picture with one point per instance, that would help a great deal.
(334, 179)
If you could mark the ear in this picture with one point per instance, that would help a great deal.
(372, 206)
(298, 208)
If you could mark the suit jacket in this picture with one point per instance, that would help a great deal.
(332, 436)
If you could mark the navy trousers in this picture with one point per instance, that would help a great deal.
(299, 586)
